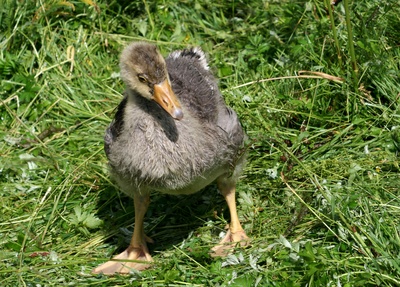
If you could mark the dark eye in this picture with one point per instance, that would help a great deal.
(142, 79)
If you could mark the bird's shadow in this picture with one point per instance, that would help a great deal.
(169, 220)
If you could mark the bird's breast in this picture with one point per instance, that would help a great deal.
(171, 158)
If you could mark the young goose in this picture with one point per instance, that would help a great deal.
(173, 134)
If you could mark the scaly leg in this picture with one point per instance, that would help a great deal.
(137, 250)
(235, 233)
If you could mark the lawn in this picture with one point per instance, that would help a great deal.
(316, 88)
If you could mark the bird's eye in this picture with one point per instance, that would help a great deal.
(142, 79)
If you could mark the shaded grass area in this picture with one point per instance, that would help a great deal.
(319, 196)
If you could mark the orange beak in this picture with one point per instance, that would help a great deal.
(166, 98)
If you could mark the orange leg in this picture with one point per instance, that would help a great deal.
(137, 253)
(235, 233)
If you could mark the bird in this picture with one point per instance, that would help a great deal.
(172, 133)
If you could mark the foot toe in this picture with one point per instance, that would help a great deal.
(229, 242)
(124, 263)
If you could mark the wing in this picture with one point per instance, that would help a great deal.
(115, 128)
(229, 122)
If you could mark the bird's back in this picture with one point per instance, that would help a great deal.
(194, 84)
(196, 87)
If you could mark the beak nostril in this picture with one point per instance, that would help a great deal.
(166, 102)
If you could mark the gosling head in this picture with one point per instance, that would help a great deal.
(143, 69)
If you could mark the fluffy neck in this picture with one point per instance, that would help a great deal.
(148, 112)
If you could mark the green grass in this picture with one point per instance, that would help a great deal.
(319, 196)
